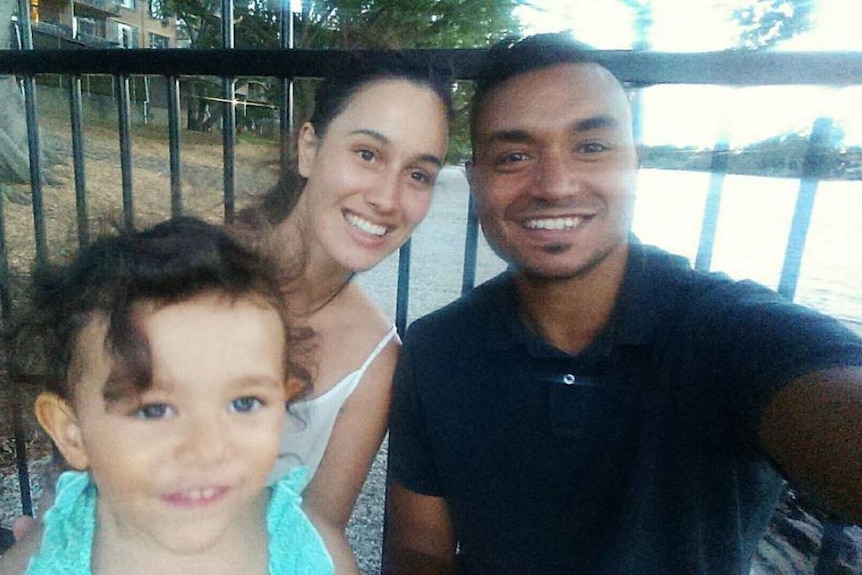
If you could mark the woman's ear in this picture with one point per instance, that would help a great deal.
(294, 387)
(307, 148)
(58, 419)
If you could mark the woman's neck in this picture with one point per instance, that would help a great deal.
(310, 277)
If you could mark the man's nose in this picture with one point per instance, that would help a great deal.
(555, 177)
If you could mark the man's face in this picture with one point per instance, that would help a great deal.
(554, 169)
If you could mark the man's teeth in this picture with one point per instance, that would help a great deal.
(364, 225)
(552, 224)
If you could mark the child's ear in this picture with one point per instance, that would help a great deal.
(58, 419)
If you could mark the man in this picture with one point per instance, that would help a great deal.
(600, 408)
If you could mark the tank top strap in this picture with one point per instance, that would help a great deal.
(376, 351)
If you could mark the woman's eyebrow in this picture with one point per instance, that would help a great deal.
(429, 158)
(373, 133)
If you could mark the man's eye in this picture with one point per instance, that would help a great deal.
(154, 411)
(245, 404)
(593, 148)
(512, 158)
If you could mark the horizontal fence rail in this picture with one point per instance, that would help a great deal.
(731, 68)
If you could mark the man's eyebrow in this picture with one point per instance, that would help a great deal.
(514, 136)
(519, 136)
(428, 158)
(596, 123)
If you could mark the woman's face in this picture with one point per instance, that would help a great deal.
(371, 175)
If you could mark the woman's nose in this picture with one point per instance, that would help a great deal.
(385, 194)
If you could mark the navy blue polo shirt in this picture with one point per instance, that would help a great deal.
(636, 456)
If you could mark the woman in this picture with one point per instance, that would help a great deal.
(366, 166)
(367, 161)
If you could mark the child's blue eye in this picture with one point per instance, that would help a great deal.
(154, 411)
(245, 404)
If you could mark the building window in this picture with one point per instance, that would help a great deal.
(157, 9)
(127, 36)
(130, 4)
(158, 41)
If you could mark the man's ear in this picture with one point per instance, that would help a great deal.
(306, 148)
(58, 419)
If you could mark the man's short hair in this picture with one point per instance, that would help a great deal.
(513, 57)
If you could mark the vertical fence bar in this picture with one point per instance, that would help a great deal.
(471, 243)
(813, 168)
(286, 111)
(34, 149)
(33, 140)
(402, 297)
(121, 84)
(228, 118)
(174, 145)
(718, 169)
(76, 118)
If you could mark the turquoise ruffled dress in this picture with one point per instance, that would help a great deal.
(295, 546)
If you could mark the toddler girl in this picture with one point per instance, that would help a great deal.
(168, 366)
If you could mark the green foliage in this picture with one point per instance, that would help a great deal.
(779, 156)
(382, 24)
(405, 24)
(352, 24)
(765, 23)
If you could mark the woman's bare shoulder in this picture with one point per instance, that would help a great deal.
(357, 311)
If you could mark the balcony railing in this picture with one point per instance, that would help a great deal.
(105, 6)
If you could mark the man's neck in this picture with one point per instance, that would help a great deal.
(571, 312)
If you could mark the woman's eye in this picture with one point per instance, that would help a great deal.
(245, 404)
(154, 411)
(367, 155)
(422, 177)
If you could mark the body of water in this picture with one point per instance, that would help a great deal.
(753, 227)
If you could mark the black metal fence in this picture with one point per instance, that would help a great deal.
(639, 69)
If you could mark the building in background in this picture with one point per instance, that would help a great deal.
(101, 23)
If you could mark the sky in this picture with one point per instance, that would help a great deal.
(701, 113)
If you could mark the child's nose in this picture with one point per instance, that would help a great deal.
(204, 441)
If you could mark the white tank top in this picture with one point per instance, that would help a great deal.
(309, 423)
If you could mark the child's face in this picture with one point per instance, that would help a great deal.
(180, 464)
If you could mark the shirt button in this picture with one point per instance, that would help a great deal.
(569, 379)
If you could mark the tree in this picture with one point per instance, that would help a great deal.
(351, 24)
(765, 23)
(255, 26)
(382, 24)
(399, 24)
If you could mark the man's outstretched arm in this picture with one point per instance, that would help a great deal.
(419, 535)
(812, 428)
